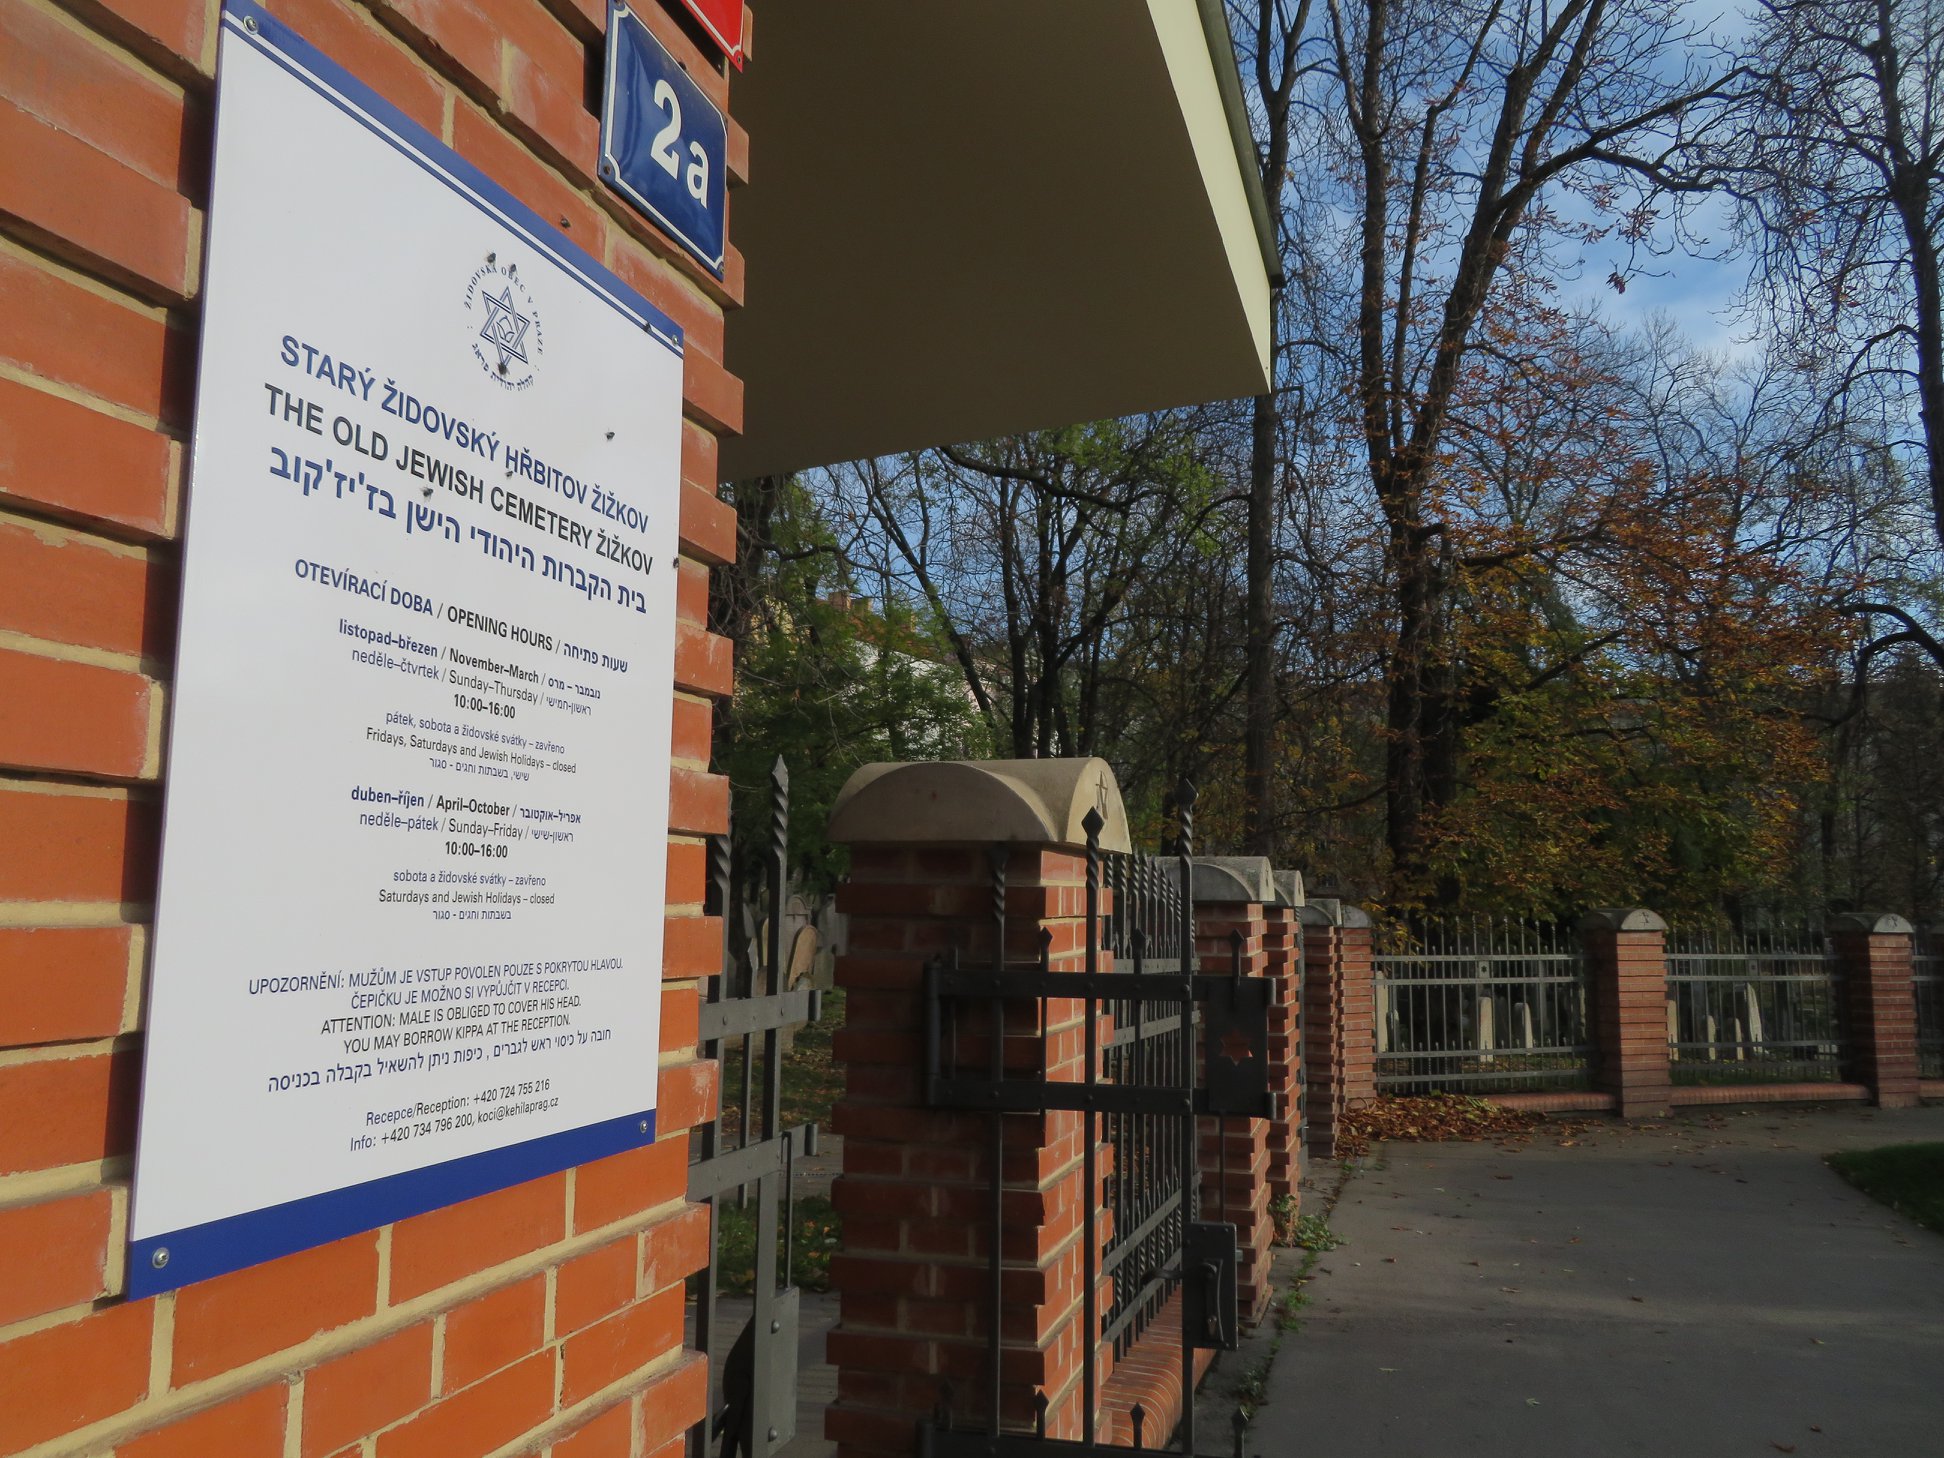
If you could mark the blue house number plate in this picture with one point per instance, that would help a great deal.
(664, 146)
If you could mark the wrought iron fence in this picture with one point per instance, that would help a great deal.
(1482, 1006)
(1754, 1007)
(1146, 1048)
(1927, 980)
(1163, 1046)
(747, 1154)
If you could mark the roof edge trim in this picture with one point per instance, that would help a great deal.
(1228, 81)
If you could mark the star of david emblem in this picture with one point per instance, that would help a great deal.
(1237, 1047)
(505, 327)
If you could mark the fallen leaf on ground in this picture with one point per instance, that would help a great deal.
(1437, 1117)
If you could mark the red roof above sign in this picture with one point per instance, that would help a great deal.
(723, 20)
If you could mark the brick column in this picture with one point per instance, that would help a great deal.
(1873, 950)
(1231, 926)
(1626, 958)
(1283, 944)
(914, 1191)
(1339, 1017)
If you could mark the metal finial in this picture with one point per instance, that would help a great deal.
(719, 873)
(780, 805)
(1139, 1415)
(1039, 1412)
(998, 857)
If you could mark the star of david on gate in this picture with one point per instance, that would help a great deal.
(1237, 1048)
(505, 327)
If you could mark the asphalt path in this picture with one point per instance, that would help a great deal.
(1703, 1286)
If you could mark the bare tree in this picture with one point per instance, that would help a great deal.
(1273, 32)
(1024, 552)
(1837, 157)
(1471, 133)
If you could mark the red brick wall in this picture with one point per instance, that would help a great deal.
(1339, 1017)
(1283, 944)
(1626, 960)
(915, 1188)
(544, 1318)
(1874, 954)
(1235, 1151)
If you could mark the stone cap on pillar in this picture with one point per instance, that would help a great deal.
(1623, 919)
(1331, 911)
(1872, 924)
(1289, 888)
(980, 802)
(1219, 880)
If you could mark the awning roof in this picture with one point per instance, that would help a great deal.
(968, 217)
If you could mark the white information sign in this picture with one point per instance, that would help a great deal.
(408, 943)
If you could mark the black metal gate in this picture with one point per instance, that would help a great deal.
(752, 1375)
(1179, 1044)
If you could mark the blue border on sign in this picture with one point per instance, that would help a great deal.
(618, 15)
(254, 26)
(236, 1241)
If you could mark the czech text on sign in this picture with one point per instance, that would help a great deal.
(723, 20)
(664, 146)
(419, 740)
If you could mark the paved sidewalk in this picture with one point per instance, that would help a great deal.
(1706, 1289)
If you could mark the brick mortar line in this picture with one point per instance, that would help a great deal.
(27, 254)
(66, 782)
(73, 396)
(30, 1187)
(292, 1362)
(76, 915)
(81, 25)
(151, 668)
(67, 1052)
(583, 1411)
(101, 531)
(62, 534)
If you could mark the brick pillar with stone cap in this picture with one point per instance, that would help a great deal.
(1874, 949)
(1339, 1016)
(913, 1279)
(1626, 962)
(1283, 943)
(1232, 894)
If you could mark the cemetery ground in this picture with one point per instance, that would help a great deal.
(1705, 1284)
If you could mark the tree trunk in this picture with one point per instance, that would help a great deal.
(1404, 757)
(1259, 731)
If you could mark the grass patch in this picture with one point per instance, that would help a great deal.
(812, 1083)
(818, 1233)
(1909, 1178)
(812, 1080)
